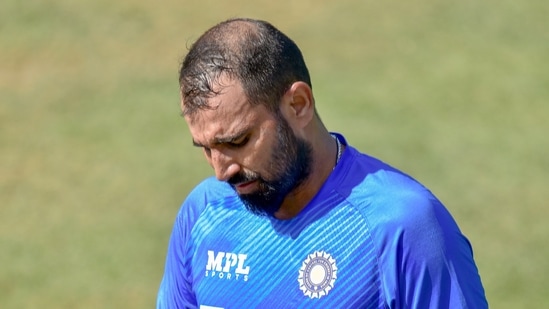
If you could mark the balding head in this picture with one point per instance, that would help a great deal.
(261, 57)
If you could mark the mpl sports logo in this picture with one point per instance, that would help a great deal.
(227, 266)
(317, 274)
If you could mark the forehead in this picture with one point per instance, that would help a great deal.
(230, 114)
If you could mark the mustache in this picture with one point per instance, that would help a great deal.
(243, 177)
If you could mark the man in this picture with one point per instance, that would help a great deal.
(297, 218)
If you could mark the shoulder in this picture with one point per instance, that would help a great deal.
(380, 190)
(209, 191)
(394, 204)
(176, 286)
(424, 259)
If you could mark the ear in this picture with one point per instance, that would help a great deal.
(298, 106)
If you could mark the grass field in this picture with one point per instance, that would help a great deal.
(95, 159)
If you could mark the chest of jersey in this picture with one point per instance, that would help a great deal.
(324, 260)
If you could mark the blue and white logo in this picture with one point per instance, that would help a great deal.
(317, 274)
(227, 266)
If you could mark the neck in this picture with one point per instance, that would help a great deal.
(326, 152)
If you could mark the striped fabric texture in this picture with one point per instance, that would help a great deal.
(372, 237)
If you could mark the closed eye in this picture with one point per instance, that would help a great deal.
(207, 151)
(239, 142)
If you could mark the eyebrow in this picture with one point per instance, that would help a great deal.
(223, 140)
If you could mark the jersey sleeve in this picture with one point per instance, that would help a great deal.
(176, 286)
(425, 260)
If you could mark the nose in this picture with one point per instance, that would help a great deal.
(224, 165)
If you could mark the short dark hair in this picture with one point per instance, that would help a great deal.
(261, 57)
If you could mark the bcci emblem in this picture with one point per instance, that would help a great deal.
(317, 274)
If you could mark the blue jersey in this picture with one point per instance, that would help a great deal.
(372, 237)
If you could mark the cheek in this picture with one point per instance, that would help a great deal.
(261, 159)
(257, 162)
(262, 154)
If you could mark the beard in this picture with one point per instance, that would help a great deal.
(290, 164)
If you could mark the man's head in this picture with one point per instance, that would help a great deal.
(252, 148)
(262, 58)
(247, 99)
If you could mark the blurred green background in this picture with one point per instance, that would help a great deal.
(95, 159)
